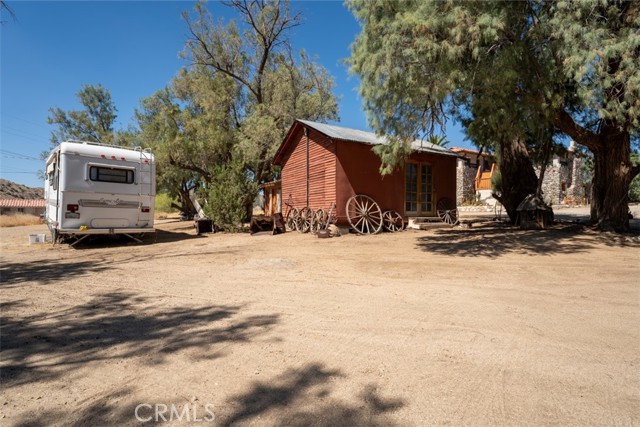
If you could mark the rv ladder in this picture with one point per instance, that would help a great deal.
(145, 179)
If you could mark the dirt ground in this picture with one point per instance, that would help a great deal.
(481, 326)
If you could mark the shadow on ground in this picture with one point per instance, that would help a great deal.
(117, 325)
(115, 240)
(46, 271)
(295, 398)
(493, 240)
(103, 412)
(302, 397)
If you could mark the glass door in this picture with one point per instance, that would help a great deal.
(418, 189)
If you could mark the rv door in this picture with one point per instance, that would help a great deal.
(53, 175)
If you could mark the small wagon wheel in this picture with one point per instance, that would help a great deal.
(332, 216)
(292, 219)
(319, 220)
(392, 221)
(447, 211)
(305, 219)
(364, 214)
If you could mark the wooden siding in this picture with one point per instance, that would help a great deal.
(358, 173)
(339, 169)
(322, 171)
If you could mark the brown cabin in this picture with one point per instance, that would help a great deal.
(322, 164)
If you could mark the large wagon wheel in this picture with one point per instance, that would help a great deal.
(364, 214)
(392, 221)
(292, 219)
(305, 219)
(447, 211)
(319, 220)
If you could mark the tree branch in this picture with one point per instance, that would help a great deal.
(194, 168)
(565, 123)
(214, 63)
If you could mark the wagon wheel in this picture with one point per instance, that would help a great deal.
(332, 217)
(364, 214)
(392, 221)
(292, 219)
(305, 219)
(447, 211)
(319, 220)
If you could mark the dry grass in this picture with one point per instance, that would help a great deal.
(19, 219)
(166, 215)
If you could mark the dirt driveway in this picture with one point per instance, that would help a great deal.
(450, 327)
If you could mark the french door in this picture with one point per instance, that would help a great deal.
(418, 197)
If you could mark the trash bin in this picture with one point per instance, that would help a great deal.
(204, 226)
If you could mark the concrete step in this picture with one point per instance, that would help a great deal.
(425, 222)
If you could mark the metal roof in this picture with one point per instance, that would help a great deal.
(23, 203)
(346, 134)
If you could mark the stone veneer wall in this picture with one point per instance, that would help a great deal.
(567, 171)
(577, 188)
(465, 186)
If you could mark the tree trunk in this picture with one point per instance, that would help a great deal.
(518, 177)
(612, 172)
(187, 208)
(610, 185)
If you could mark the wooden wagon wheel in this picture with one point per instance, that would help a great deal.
(447, 211)
(292, 219)
(332, 217)
(319, 220)
(392, 221)
(364, 214)
(305, 219)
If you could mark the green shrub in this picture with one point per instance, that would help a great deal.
(231, 196)
(634, 186)
(496, 182)
(634, 190)
(163, 203)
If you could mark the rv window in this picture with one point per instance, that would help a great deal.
(53, 178)
(104, 174)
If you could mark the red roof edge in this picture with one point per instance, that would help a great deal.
(23, 203)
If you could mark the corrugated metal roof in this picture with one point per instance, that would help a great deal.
(469, 151)
(23, 203)
(371, 138)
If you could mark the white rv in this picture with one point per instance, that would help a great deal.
(94, 188)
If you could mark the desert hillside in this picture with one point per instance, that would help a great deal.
(11, 190)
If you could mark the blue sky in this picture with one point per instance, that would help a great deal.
(54, 48)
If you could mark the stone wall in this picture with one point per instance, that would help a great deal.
(465, 182)
(561, 173)
(576, 191)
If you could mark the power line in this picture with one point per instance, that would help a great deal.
(14, 155)
(42, 125)
(32, 138)
(24, 132)
(21, 172)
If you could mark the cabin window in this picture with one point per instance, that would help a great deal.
(116, 175)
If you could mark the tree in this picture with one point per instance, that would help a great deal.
(597, 48)
(440, 140)
(93, 123)
(190, 128)
(510, 70)
(225, 115)
(420, 62)
(271, 88)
